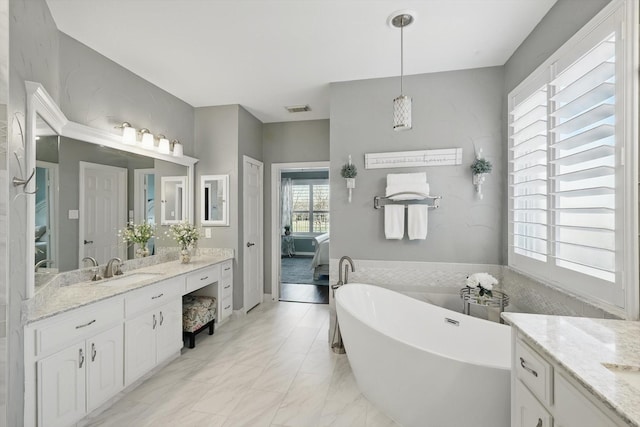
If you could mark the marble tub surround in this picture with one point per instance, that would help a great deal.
(74, 289)
(583, 346)
(533, 296)
(440, 283)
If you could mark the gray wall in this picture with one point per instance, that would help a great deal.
(100, 93)
(290, 142)
(216, 135)
(4, 196)
(450, 109)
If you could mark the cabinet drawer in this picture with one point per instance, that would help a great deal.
(65, 329)
(535, 372)
(227, 269)
(227, 307)
(152, 296)
(227, 289)
(201, 278)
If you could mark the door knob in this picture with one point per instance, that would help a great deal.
(249, 244)
(88, 242)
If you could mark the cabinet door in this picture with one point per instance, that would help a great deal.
(140, 345)
(572, 409)
(169, 329)
(105, 366)
(62, 387)
(528, 411)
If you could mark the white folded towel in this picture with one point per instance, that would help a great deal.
(417, 188)
(417, 220)
(406, 178)
(394, 222)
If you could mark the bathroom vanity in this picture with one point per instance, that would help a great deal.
(87, 342)
(574, 372)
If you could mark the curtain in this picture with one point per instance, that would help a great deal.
(286, 203)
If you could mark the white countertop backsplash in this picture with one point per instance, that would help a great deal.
(70, 290)
(581, 345)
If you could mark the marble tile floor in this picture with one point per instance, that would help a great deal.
(271, 368)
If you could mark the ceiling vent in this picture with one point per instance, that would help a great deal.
(298, 108)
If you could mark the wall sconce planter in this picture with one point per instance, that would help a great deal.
(480, 168)
(349, 172)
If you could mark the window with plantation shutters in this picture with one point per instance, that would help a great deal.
(567, 135)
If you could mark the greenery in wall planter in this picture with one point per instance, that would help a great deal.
(480, 168)
(349, 172)
(481, 165)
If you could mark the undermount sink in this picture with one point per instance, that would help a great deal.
(629, 374)
(128, 279)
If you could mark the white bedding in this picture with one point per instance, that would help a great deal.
(321, 257)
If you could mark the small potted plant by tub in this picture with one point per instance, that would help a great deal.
(349, 172)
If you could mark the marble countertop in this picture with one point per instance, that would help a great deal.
(583, 346)
(65, 298)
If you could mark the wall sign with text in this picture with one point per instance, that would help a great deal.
(409, 159)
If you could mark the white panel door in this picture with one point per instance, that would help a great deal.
(105, 366)
(140, 346)
(252, 225)
(103, 211)
(62, 387)
(169, 330)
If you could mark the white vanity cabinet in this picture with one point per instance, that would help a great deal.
(543, 396)
(220, 275)
(153, 327)
(75, 363)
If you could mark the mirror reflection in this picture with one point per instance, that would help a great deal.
(86, 194)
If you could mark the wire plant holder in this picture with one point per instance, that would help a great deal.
(470, 296)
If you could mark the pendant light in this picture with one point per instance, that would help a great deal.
(402, 104)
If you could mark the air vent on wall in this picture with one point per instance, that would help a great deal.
(298, 108)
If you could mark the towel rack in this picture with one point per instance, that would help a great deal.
(433, 202)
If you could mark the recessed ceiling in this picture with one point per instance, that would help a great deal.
(268, 54)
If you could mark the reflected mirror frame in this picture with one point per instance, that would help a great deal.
(180, 183)
(222, 186)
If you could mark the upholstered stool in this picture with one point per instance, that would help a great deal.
(198, 313)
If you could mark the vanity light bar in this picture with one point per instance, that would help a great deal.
(147, 140)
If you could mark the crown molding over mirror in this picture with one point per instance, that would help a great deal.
(40, 103)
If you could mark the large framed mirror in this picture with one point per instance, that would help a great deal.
(214, 206)
(61, 152)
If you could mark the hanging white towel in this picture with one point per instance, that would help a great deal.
(394, 222)
(417, 220)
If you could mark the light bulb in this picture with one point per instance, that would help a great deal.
(163, 145)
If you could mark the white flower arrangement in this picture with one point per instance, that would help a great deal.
(483, 281)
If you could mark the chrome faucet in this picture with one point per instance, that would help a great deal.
(346, 272)
(42, 262)
(111, 270)
(95, 270)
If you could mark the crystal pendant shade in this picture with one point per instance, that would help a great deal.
(402, 113)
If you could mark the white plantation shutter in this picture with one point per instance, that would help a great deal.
(583, 170)
(528, 180)
(566, 172)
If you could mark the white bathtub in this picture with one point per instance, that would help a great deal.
(418, 366)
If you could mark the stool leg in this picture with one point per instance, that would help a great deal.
(211, 326)
(192, 340)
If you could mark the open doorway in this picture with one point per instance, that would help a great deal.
(302, 240)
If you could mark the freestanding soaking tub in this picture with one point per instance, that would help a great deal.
(423, 365)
